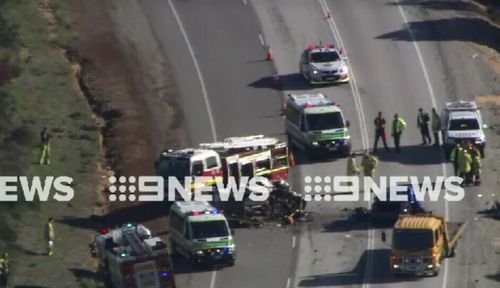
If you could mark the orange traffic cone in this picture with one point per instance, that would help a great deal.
(341, 51)
(269, 55)
(291, 159)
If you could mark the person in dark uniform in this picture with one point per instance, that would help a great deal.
(380, 131)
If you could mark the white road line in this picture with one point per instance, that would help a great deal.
(363, 129)
(212, 279)
(198, 70)
(261, 39)
(433, 100)
(293, 242)
(288, 282)
(244, 2)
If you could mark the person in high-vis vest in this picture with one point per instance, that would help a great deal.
(398, 125)
(454, 157)
(352, 168)
(369, 163)
(4, 269)
(464, 165)
(45, 139)
(436, 126)
(50, 235)
(475, 165)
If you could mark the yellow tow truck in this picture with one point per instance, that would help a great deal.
(420, 242)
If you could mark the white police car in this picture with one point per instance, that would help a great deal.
(323, 64)
(462, 124)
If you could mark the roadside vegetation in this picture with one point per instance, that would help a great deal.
(39, 87)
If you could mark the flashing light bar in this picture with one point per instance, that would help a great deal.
(104, 231)
(321, 104)
(206, 212)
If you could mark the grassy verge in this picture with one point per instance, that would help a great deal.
(37, 89)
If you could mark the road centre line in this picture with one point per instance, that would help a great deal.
(288, 282)
(197, 68)
(363, 129)
(293, 242)
(212, 279)
(433, 100)
(261, 39)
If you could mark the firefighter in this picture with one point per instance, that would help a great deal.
(352, 168)
(476, 164)
(50, 235)
(369, 164)
(45, 139)
(454, 157)
(423, 125)
(380, 132)
(4, 269)
(464, 165)
(398, 125)
(436, 126)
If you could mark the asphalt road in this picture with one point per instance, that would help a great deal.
(227, 89)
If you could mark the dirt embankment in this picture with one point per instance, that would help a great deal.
(129, 83)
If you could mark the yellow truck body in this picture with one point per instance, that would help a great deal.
(420, 242)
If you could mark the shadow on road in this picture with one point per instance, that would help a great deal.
(494, 277)
(413, 155)
(438, 5)
(142, 212)
(379, 273)
(452, 29)
(87, 274)
(286, 82)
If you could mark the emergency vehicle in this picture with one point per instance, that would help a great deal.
(316, 125)
(322, 64)
(201, 233)
(131, 257)
(462, 124)
(235, 156)
(420, 243)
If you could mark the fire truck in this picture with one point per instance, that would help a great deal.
(132, 258)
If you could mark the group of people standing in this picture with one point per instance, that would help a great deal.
(466, 159)
(424, 122)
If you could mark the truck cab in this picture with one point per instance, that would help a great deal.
(201, 233)
(420, 242)
(461, 124)
(316, 125)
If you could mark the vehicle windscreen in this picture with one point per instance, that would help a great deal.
(324, 57)
(170, 166)
(209, 229)
(412, 238)
(464, 124)
(324, 121)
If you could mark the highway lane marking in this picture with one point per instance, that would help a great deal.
(244, 2)
(288, 282)
(293, 242)
(212, 279)
(261, 39)
(433, 100)
(197, 68)
(363, 128)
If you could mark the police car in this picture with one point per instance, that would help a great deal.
(316, 125)
(461, 124)
(321, 64)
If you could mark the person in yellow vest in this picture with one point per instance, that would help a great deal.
(398, 125)
(352, 168)
(369, 163)
(475, 165)
(45, 139)
(464, 165)
(454, 157)
(50, 234)
(4, 269)
(436, 125)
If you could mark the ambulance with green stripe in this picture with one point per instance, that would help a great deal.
(316, 125)
(200, 233)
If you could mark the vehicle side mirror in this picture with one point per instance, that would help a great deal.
(347, 123)
(383, 236)
(485, 126)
